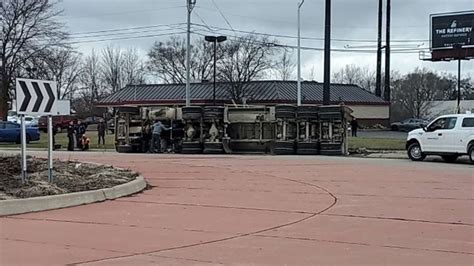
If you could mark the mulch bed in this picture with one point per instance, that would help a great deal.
(69, 176)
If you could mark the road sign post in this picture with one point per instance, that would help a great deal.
(36, 97)
(50, 148)
(24, 176)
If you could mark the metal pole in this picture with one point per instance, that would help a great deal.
(459, 86)
(214, 85)
(378, 81)
(327, 55)
(299, 55)
(23, 150)
(188, 54)
(50, 148)
(387, 54)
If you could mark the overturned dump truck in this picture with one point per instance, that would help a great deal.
(279, 130)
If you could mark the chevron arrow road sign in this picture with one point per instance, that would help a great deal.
(35, 97)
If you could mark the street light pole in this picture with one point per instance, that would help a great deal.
(215, 40)
(299, 55)
(190, 5)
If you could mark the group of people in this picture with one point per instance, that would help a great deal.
(77, 138)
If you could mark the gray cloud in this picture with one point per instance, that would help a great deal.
(352, 19)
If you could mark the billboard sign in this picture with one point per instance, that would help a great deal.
(451, 30)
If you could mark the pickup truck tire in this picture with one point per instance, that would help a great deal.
(450, 158)
(415, 153)
(471, 153)
(394, 128)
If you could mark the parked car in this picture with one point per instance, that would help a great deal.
(409, 124)
(60, 122)
(30, 121)
(12, 116)
(449, 136)
(11, 132)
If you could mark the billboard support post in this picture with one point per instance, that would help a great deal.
(459, 86)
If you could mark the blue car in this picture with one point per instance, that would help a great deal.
(11, 132)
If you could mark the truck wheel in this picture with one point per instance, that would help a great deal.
(471, 153)
(415, 153)
(394, 128)
(450, 158)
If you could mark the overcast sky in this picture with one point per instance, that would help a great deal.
(352, 20)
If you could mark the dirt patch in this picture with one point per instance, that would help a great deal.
(69, 177)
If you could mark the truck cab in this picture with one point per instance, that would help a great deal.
(449, 136)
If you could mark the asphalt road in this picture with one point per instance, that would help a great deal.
(259, 210)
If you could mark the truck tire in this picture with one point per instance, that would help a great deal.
(283, 148)
(450, 158)
(307, 112)
(124, 148)
(415, 153)
(213, 148)
(192, 113)
(285, 111)
(471, 153)
(191, 148)
(213, 112)
(307, 148)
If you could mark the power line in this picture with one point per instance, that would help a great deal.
(126, 29)
(222, 14)
(303, 38)
(123, 12)
(277, 45)
(127, 38)
(125, 33)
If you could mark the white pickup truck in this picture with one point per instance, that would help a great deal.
(449, 136)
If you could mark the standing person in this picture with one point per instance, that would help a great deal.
(80, 130)
(158, 127)
(354, 127)
(70, 136)
(101, 129)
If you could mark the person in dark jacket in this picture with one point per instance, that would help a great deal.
(80, 130)
(70, 136)
(101, 129)
(354, 127)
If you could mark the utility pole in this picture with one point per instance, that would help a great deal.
(190, 5)
(387, 55)
(327, 56)
(378, 79)
(299, 55)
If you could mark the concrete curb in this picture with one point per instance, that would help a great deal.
(19, 206)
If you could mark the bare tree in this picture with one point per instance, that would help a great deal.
(133, 68)
(413, 92)
(285, 65)
(28, 27)
(246, 59)
(168, 60)
(112, 59)
(352, 74)
(62, 65)
(92, 81)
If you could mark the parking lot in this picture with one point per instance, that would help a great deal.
(259, 210)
